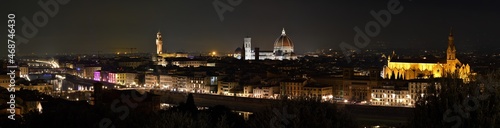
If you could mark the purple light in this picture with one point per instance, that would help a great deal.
(97, 76)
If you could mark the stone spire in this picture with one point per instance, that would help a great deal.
(451, 51)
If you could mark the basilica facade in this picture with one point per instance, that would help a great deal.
(426, 68)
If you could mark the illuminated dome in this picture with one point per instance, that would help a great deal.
(283, 45)
(283, 41)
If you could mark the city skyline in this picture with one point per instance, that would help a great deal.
(80, 27)
(251, 64)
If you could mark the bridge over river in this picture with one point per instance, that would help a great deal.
(363, 114)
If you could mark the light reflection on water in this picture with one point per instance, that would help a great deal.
(244, 114)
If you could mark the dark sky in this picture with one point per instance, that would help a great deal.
(88, 26)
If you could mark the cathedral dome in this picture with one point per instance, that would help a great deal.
(238, 50)
(283, 41)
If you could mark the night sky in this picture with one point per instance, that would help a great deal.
(88, 26)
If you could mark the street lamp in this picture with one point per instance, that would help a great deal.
(214, 53)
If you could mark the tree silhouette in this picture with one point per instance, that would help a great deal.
(459, 104)
(299, 113)
(189, 106)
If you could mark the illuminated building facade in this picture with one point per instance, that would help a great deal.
(357, 88)
(427, 68)
(97, 76)
(197, 84)
(151, 80)
(166, 80)
(292, 87)
(159, 43)
(247, 91)
(283, 49)
(130, 62)
(418, 89)
(226, 87)
(159, 56)
(4, 81)
(318, 91)
(189, 63)
(266, 92)
(391, 96)
(89, 72)
(122, 78)
(24, 71)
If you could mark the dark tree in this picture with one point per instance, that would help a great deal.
(189, 106)
(455, 103)
(301, 113)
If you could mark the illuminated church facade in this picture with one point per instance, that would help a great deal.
(427, 68)
(282, 50)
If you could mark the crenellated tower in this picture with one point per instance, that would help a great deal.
(159, 43)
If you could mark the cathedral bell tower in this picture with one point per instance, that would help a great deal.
(247, 47)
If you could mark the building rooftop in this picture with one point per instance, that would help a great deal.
(420, 60)
(294, 80)
(317, 85)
